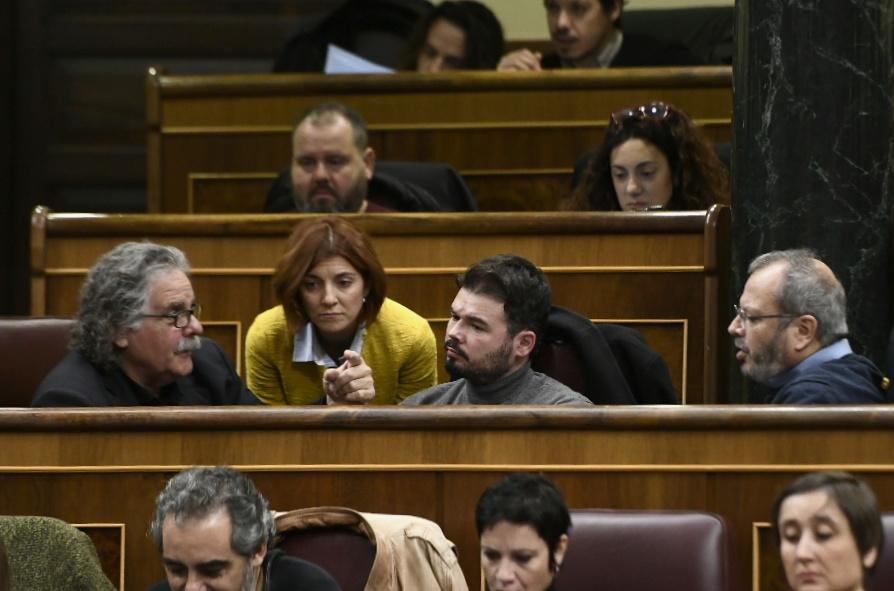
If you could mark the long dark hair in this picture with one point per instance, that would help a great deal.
(484, 34)
(699, 177)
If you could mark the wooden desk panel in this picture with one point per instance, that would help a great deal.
(435, 462)
(472, 120)
(650, 268)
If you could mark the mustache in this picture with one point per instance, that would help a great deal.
(740, 345)
(188, 344)
(454, 346)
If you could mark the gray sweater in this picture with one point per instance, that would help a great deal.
(525, 386)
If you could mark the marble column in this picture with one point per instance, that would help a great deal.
(812, 148)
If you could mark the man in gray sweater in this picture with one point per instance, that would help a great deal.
(495, 322)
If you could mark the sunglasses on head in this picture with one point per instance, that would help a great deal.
(657, 110)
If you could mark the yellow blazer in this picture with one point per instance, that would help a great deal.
(399, 347)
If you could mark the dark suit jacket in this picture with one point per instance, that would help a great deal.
(614, 363)
(77, 382)
(640, 51)
(286, 573)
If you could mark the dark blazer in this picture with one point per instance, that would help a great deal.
(395, 186)
(77, 382)
(285, 573)
(613, 363)
(639, 51)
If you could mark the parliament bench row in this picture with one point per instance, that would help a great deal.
(216, 140)
(435, 463)
(664, 274)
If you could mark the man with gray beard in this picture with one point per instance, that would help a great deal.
(790, 333)
(137, 339)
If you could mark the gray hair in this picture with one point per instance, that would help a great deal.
(116, 292)
(808, 289)
(198, 492)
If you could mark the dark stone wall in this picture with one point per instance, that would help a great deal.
(812, 147)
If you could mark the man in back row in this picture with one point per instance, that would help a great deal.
(587, 34)
(333, 170)
(790, 332)
(496, 321)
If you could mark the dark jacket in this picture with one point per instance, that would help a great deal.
(384, 193)
(852, 379)
(285, 573)
(639, 51)
(77, 382)
(614, 363)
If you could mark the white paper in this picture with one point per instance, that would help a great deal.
(340, 61)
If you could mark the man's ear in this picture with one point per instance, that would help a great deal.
(524, 343)
(615, 13)
(369, 161)
(257, 558)
(804, 331)
(121, 340)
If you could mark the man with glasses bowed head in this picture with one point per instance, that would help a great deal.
(496, 322)
(137, 339)
(790, 331)
(215, 529)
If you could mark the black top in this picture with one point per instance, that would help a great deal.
(77, 382)
(285, 573)
(639, 51)
(394, 186)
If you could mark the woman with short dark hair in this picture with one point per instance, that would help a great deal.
(523, 525)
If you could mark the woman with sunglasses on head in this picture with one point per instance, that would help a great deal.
(335, 337)
(829, 532)
(652, 157)
(523, 525)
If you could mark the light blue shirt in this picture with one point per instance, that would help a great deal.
(308, 347)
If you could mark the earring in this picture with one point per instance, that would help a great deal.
(364, 299)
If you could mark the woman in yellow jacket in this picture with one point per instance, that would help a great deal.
(335, 337)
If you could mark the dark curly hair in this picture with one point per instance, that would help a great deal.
(484, 34)
(699, 177)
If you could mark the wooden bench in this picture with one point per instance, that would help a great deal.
(664, 273)
(514, 136)
(435, 462)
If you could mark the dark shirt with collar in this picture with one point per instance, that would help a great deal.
(639, 51)
(832, 375)
(77, 382)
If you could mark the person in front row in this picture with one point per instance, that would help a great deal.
(790, 331)
(587, 34)
(829, 532)
(333, 166)
(523, 525)
(335, 337)
(137, 339)
(495, 322)
(214, 530)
